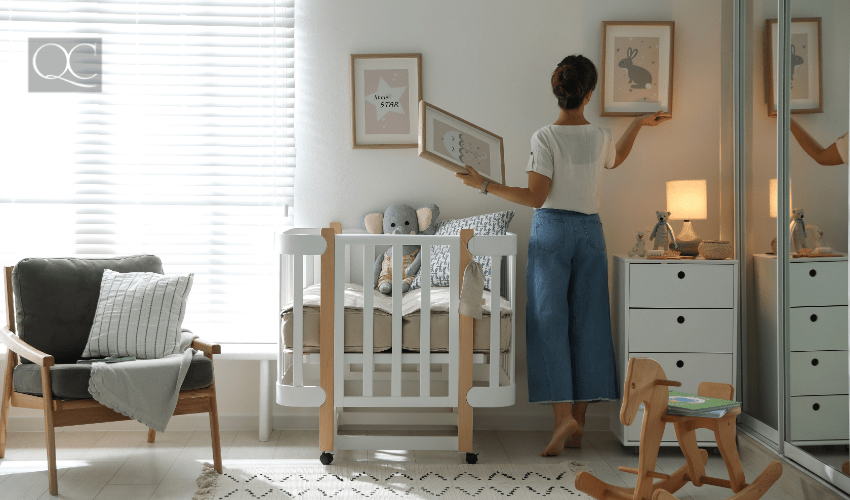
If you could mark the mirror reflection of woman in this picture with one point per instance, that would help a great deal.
(834, 154)
(568, 327)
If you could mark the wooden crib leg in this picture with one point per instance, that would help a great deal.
(464, 411)
(326, 342)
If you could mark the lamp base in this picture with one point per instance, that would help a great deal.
(688, 240)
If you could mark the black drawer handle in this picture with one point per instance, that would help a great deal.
(681, 275)
(816, 407)
(813, 317)
(680, 319)
(813, 273)
(815, 362)
(680, 363)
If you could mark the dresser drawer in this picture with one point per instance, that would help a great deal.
(815, 418)
(818, 283)
(681, 330)
(691, 369)
(681, 286)
(818, 328)
(818, 372)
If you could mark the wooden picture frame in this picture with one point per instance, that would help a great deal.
(808, 95)
(452, 142)
(385, 93)
(629, 89)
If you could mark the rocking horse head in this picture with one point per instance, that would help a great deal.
(642, 386)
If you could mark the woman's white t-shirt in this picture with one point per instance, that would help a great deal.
(573, 156)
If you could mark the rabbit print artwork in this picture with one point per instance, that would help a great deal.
(639, 77)
(463, 147)
(796, 60)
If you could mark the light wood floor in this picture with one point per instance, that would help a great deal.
(121, 465)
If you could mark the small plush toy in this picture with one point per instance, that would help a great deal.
(640, 245)
(400, 219)
(798, 231)
(820, 244)
(662, 233)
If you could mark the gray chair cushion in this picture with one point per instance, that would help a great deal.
(71, 381)
(55, 299)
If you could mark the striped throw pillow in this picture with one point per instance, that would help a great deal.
(138, 314)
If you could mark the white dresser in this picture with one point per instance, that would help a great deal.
(681, 313)
(817, 345)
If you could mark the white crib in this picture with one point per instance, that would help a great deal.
(431, 393)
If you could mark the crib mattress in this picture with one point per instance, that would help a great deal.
(382, 320)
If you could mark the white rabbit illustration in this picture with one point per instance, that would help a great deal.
(639, 77)
(795, 61)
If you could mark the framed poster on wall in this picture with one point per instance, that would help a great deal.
(454, 143)
(637, 67)
(385, 92)
(806, 65)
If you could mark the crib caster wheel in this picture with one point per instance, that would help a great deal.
(472, 458)
(326, 458)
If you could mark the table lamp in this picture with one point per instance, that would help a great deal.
(687, 200)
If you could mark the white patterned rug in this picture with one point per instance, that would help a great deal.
(395, 480)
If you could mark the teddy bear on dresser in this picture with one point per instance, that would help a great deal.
(640, 245)
(798, 230)
(662, 233)
(400, 219)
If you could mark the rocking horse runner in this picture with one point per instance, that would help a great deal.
(646, 383)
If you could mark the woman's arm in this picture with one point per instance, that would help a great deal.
(812, 147)
(624, 145)
(532, 196)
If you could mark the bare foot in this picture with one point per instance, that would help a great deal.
(559, 435)
(574, 441)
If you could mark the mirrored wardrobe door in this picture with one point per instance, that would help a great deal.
(757, 141)
(817, 406)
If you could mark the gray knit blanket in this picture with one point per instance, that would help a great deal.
(145, 390)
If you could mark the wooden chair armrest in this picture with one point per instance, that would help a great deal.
(206, 347)
(21, 348)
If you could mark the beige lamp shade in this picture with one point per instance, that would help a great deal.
(773, 191)
(687, 200)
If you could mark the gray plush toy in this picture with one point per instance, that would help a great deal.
(400, 219)
(798, 230)
(662, 233)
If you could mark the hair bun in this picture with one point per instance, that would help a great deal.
(571, 87)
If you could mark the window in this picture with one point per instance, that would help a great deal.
(187, 152)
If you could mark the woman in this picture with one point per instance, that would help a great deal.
(834, 154)
(568, 327)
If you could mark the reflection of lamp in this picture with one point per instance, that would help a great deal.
(773, 203)
(687, 200)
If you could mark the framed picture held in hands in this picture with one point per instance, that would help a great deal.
(637, 67)
(385, 91)
(452, 142)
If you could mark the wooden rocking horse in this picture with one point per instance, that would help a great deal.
(646, 383)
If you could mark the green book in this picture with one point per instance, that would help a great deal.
(682, 403)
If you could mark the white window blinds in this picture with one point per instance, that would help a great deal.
(187, 153)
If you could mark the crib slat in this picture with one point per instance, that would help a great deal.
(454, 319)
(339, 322)
(298, 326)
(398, 270)
(512, 280)
(368, 317)
(495, 319)
(425, 324)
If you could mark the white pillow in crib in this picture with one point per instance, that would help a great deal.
(138, 314)
(495, 224)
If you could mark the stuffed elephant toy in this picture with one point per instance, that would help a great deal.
(400, 219)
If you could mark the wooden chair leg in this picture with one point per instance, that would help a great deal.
(724, 434)
(47, 399)
(6, 403)
(151, 435)
(687, 437)
(216, 439)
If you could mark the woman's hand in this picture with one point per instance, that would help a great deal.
(654, 119)
(473, 179)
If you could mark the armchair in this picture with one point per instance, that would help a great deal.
(50, 306)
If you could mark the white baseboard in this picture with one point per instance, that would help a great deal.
(35, 423)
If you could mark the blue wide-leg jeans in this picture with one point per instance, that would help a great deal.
(570, 352)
